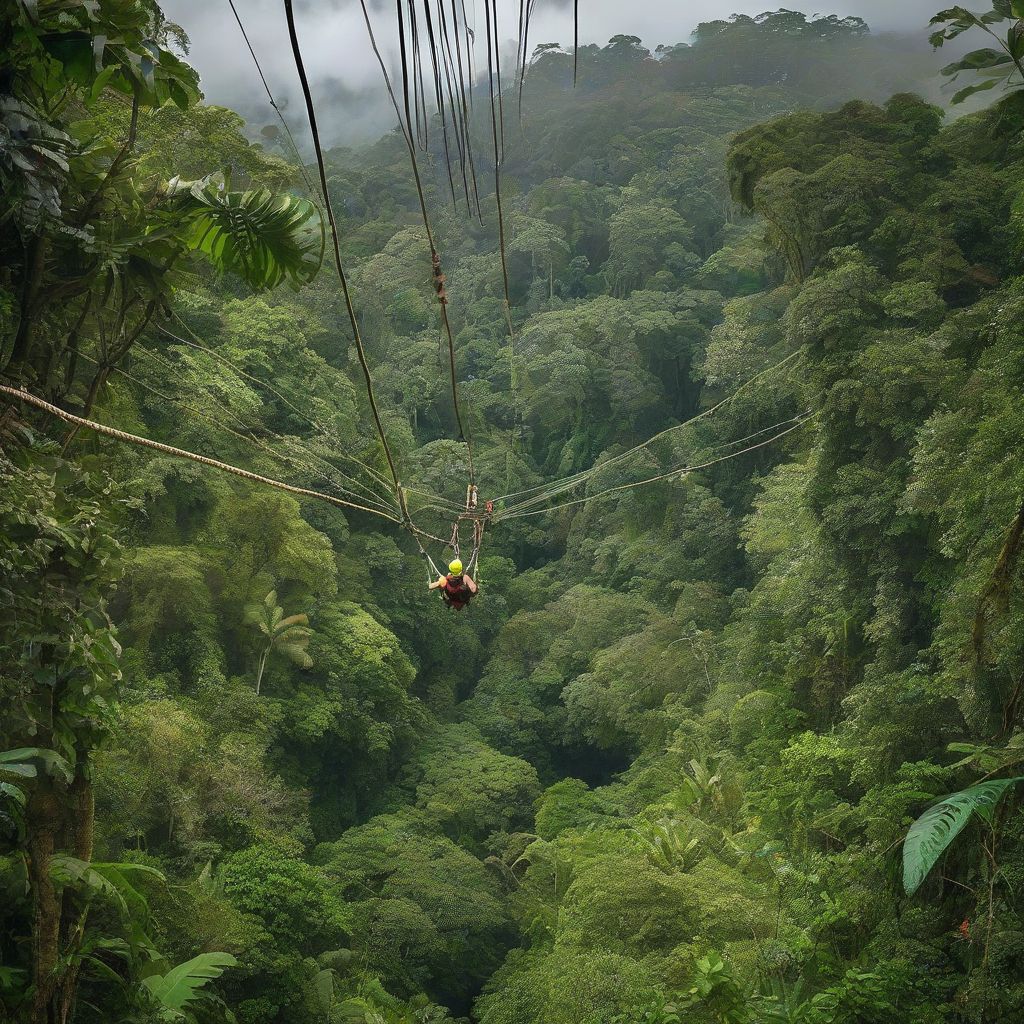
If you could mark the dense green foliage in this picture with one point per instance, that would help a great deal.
(663, 767)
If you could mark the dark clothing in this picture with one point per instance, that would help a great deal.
(457, 591)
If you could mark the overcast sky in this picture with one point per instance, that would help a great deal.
(333, 38)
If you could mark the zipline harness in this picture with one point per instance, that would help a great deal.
(454, 544)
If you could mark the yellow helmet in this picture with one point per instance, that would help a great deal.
(455, 567)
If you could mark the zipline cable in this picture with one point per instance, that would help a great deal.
(581, 477)
(321, 167)
(499, 155)
(497, 74)
(311, 420)
(145, 442)
(575, 40)
(409, 71)
(416, 534)
(704, 449)
(273, 102)
(435, 256)
(678, 472)
(434, 42)
(251, 430)
(709, 449)
(376, 502)
(417, 58)
(456, 87)
(584, 474)
(249, 437)
(442, 504)
(467, 107)
(525, 12)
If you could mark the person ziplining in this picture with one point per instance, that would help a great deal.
(457, 587)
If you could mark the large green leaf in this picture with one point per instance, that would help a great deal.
(181, 985)
(18, 762)
(11, 978)
(108, 880)
(962, 94)
(957, 21)
(977, 59)
(14, 765)
(33, 164)
(931, 834)
(112, 45)
(13, 793)
(263, 237)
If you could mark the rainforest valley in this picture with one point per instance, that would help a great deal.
(662, 770)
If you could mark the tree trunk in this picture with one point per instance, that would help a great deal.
(81, 812)
(94, 389)
(47, 369)
(996, 593)
(31, 290)
(43, 819)
(98, 381)
(260, 666)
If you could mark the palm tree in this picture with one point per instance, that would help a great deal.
(288, 635)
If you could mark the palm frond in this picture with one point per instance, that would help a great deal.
(265, 238)
(297, 654)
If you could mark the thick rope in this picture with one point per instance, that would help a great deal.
(181, 453)
(249, 437)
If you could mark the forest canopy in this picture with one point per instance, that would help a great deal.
(729, 335)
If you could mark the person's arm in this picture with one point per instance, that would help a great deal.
(470, 583)
(439, 582)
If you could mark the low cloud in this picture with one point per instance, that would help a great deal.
(345, 74)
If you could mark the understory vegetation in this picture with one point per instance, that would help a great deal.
(663, 767)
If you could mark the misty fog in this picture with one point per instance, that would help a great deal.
(353, 107)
